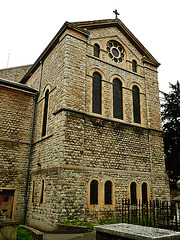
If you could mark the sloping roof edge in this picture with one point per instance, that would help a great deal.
(18, 86)
(82, 27)
(50, 47)
(120, 25)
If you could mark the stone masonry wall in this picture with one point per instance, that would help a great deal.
(14, 74)
(93, 149)
(80, 146)
(15, 123)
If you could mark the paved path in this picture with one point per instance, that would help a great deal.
(83, 236)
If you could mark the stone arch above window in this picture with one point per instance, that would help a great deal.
(115, 51)
(117, 99)
(96, 50)
(94, 192)
(97, 93)
(136, 104)
(134, 65)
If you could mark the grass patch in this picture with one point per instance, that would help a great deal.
(22, 234)
(76, 222)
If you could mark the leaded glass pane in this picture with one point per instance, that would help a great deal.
(117, 99)
(44, 127)
(108, 192)
(133, 193)
(136, 105)
(134, 65)
(96, 93)
(94, 192)
(115, 52)
(96, 50)
(144, 193)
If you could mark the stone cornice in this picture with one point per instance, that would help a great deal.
(101, 118)
(85, 168)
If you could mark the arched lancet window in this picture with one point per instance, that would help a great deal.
(144, 193)
(96, 93)
(136, 104)
(33, 192)
(133, 193)
(117, 99)
(94, 192)
(42, 192)
(96, 50)
(108, 192)
(134, 65)
(44, 125)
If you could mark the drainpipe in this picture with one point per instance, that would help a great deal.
(35, 98)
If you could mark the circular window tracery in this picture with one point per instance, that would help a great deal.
(115, 51)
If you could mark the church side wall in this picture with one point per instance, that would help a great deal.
(60, 75)
(15, 124)
(152, 97)
(99, 149)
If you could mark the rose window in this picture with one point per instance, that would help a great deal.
(115, 51)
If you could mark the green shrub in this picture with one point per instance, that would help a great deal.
(76, 222)
(22, 234)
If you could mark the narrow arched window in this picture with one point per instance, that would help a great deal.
(96, 50)
(144, 193)
(33, 192)
(134, 65)
(96, 93)
(136, 104)
(44, 125)
(108, 192)
(42, 192)
(94, 192)
(133, 193)
(117, 99)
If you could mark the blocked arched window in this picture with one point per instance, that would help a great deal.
(45, 113)
(108, 192)
(136, 104)
(134, 66)
(144, 193)
(96, 93)
(94, 192)
(117, 99)
(133, 193)
(96, 50)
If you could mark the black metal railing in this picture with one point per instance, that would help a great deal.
(160, 214)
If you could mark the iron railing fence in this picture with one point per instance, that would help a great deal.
(161, 214)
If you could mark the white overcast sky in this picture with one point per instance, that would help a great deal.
(28, 26)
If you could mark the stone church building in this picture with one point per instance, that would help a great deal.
(81, 127)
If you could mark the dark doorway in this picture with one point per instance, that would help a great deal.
(6, 202)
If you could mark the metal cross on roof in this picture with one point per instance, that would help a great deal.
(116, 13)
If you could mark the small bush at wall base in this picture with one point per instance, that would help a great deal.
(76, 222)
(22, 234)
